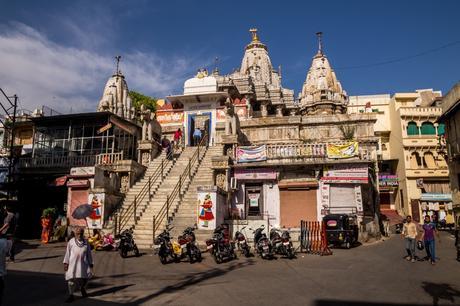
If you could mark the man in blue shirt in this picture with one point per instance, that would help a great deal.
(196, 136)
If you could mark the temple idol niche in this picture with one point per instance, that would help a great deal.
(115, 98)
(322, 93)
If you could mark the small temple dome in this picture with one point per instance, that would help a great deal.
(201, 83)
(322, 93)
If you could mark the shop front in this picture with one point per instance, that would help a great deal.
(438, 206)
(388, 186)
(298, 201)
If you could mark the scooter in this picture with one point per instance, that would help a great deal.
(262, 244)
(188, 246)
(282, 244)
(220, 246)
(127, 244)
(164, 248)
(242, 243)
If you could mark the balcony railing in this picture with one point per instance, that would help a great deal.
(295, 150)
(57, 161)
(108, 158)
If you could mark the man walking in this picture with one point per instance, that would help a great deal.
(78, 264)
(429, 229)
(8, 230)
(409, 234)
(196, 136)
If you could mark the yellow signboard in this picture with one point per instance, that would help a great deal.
(345, 150)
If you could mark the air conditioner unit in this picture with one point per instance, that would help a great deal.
(233, 183)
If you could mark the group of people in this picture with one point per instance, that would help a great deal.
(421, 237)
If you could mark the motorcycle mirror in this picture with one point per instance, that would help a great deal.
(262, 226)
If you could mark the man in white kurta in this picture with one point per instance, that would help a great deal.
(78, 264)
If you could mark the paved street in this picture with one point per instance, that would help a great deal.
(372, 274)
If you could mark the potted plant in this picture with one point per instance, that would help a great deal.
(47, 223)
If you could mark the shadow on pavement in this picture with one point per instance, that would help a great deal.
(196, 278)
(38, 258)
(441, 292)
(357, 303)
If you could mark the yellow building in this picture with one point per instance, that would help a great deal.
(414, 178)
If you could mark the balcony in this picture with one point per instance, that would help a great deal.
(421, 173)
(69, 161)
(415, 112)
(422, 141)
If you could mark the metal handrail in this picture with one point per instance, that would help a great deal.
(131, 211)
(187, 173)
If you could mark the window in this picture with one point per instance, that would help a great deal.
(429, 160)
(415, 161)
(441, 129)
(428, 129)
(412, 129)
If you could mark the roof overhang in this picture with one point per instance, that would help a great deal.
(198, 98)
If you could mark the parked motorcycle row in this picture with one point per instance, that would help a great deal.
(222, 247)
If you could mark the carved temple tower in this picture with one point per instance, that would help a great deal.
(322, 93)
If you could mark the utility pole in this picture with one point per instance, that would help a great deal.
(10, 113)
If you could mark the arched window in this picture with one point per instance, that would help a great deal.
(441, 129)
(428, 128)
(415, 161)
(412, 129)
(429, 160)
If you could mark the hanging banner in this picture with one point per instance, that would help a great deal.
(337, 151)
(170, 117)
(251, 154)
(96, 218)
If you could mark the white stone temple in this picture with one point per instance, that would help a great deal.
(115, 97)
(322, 93)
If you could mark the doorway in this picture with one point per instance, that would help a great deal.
(201, 121)
(254, 201)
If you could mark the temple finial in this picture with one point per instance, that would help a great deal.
(255, 37)
(118, 58)
(320, 42)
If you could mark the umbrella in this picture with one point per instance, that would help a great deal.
(82, 212)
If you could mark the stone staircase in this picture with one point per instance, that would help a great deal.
(186, 214)
(153, 168)
(143, 230)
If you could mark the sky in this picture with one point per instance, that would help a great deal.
(61, 53)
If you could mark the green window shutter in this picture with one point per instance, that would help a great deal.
(412, 129)
(441, 129)
(428, 129)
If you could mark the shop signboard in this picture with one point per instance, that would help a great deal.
(358, 199)
(170, 117)
(82, 171)
(339, 151)
(249, 154)
(345, 174)
(446, 197)
(255, 174)
(388, 180)
(96, 218)
(325, 198)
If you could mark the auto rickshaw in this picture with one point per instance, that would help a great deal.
(341, 230)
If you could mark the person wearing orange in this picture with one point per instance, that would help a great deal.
(46, 228)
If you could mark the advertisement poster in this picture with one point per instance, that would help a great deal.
(358, 199)
(96, 218)
(338, 151)
(170, 117)
(206, 210)
(251, 154)
(254, 199)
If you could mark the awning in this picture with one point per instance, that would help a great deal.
(60, 181)
(446, 197)
(298, 184)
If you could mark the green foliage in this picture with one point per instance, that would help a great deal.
(348, 131)
(49, 212)
(138, 99)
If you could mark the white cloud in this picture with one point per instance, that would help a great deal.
(42, 72)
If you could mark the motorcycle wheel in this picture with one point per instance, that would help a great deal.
(136, 251)
(290, 253)
(347, 245)
(246, 252)
(198, 255)
(123, 253)
(217, 259)
(163, 260)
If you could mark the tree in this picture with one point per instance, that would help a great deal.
(138, 99)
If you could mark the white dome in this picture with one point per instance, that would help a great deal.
(200, 84)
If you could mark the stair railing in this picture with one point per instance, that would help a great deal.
(130, 213)
(164, 212)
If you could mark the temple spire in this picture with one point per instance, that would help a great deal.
(320, 43)
(255, 37)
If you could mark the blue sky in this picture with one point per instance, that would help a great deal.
(60, 53)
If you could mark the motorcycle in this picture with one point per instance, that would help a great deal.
(127, 243)
(220, 246)
(164, 248)
(186, 246)
(262, 244)
(282, 244)
(242, 244)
